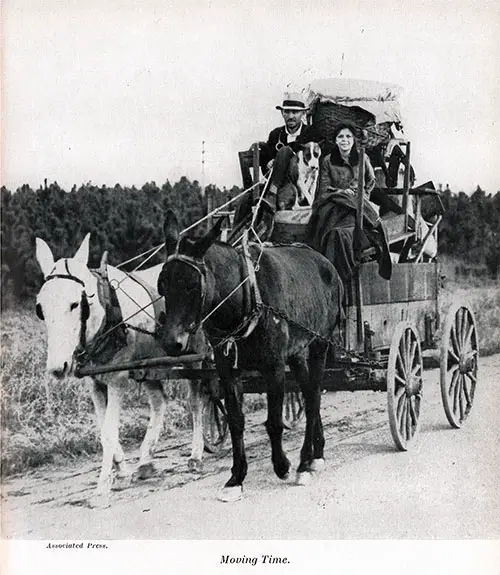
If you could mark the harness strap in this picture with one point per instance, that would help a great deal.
(112, 334)
(255, 297)
(67, 276)
(158, 303)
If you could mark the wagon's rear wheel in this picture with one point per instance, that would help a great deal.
(293, 409)
(215, 425)
(404, 385)
(459, 363)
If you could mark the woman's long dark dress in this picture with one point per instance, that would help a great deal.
(331, 227)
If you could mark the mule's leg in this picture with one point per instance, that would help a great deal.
(311, 454)
(317, 360)
(274, 423)
(233, 399)
(195, 463)
(156, 398)
(99, 394)
(110, 443)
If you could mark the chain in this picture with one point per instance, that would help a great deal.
(281, 314)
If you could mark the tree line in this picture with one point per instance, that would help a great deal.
(125, 221)
(128, 221)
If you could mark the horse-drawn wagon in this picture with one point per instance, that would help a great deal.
(376, 343)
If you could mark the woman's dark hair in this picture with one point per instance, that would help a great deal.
(344, 126)
(335, 156)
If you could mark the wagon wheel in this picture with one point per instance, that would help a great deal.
(404, 385)
(459, 363)
(214, 419)
(293, 409)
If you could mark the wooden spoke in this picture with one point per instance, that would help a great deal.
(454, 368)
(468, 335)
(293, 409)
(456, 391)
(413, 413)
(402, 419)
(409, 426)
(453, 382)
(463, 327)
(471, 376)
(401, 364)
(454, 341)
(453, 356)
(467, 394)
(400, 380)
(461, 397)
(416, 369)
(400, 401)
(413, 349)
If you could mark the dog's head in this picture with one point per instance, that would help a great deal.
(309, 154)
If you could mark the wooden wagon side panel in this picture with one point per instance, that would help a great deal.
(409, 295)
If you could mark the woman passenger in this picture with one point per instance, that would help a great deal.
(331, 227)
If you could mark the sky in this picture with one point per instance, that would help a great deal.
(126, 91)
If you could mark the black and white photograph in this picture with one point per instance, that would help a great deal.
(250, 286)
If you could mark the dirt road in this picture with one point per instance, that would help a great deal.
(447, 487)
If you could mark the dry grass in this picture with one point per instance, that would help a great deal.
(44, 420)
(485, 303)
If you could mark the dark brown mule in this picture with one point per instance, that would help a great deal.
(301, 294)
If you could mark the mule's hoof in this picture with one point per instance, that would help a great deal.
(195, 465)
(99, 501)
(317, 465)
(146, 470)
(303, 478)
(230, 494)
(282, 469)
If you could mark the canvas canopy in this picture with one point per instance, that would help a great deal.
(377, 98)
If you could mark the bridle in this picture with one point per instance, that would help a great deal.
(84, 302)
(201, 269)
(250, 316)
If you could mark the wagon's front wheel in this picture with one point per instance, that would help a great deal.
(459, 363)
(404, 385)
(215, 425)
(293, 409)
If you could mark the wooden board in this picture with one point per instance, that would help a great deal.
(383, 319)
(409, 282)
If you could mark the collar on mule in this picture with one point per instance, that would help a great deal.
(111, 336)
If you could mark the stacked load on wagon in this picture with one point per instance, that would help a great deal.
(370, 106)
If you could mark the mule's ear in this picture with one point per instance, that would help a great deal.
(201, 246)
(82, 254)
(44, 257)
(171, 231)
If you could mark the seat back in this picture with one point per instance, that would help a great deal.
(249, 166)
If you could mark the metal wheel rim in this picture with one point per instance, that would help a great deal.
(459, 364)
(404, 385)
